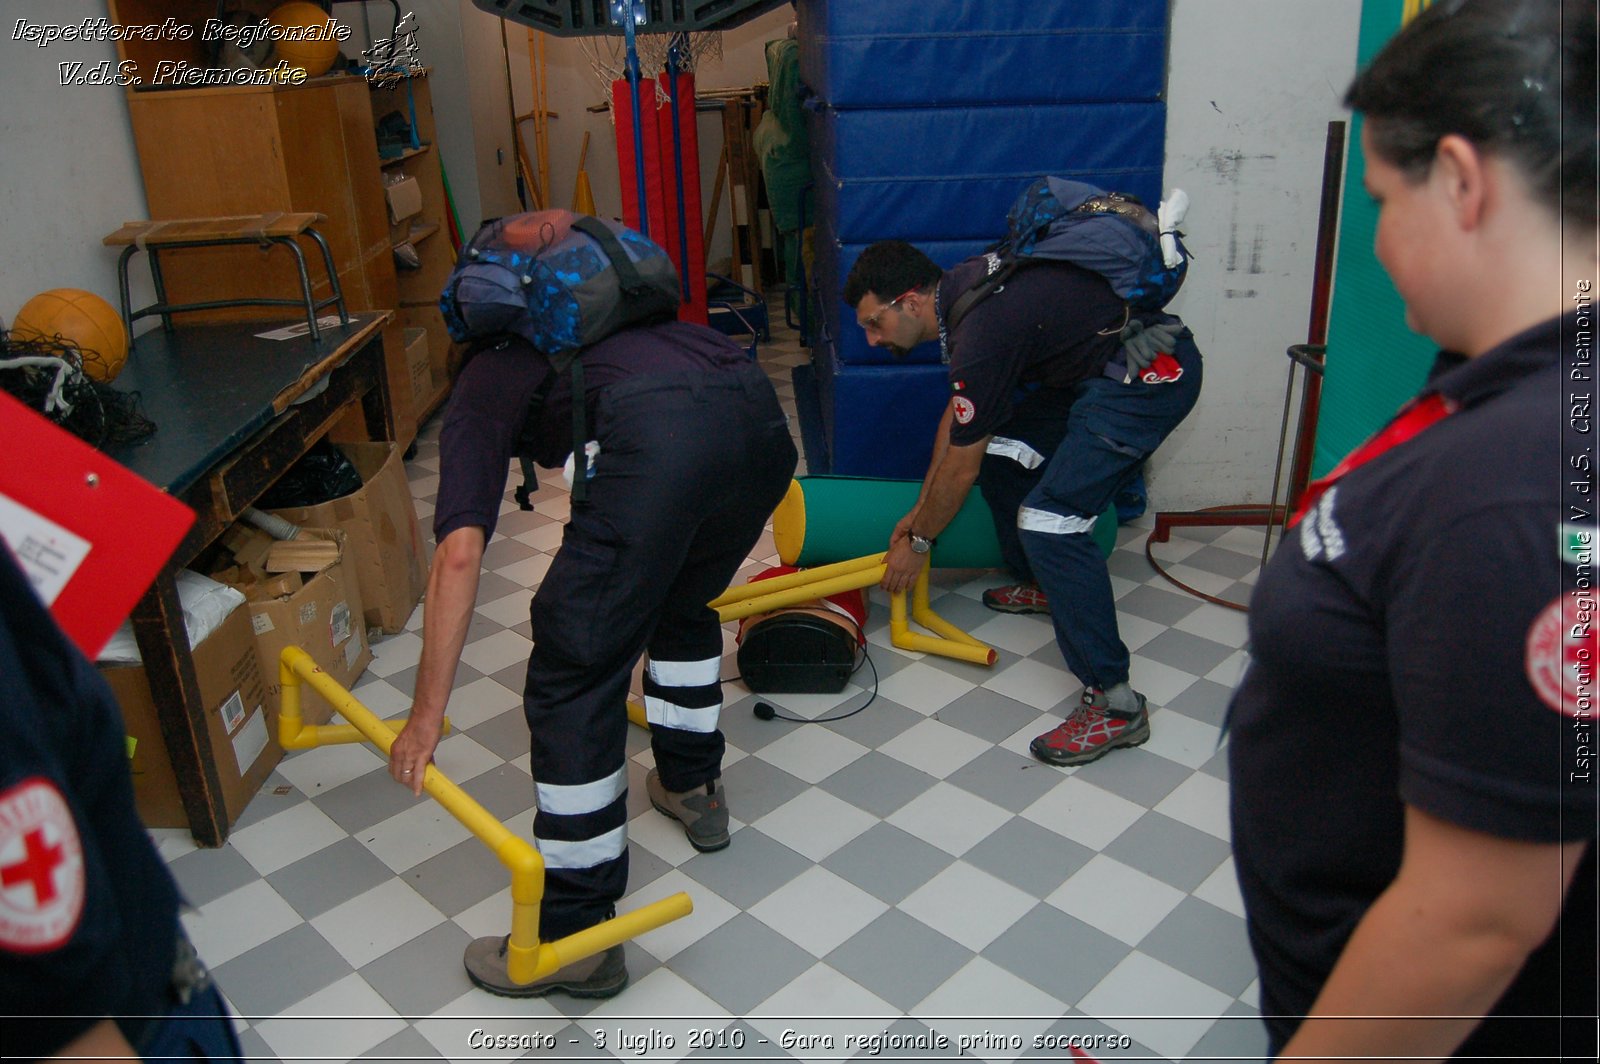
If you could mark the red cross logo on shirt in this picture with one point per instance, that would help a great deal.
(42, 885)
(1561, 653)
(37, 868)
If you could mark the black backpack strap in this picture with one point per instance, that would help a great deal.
(580, 453)
(580, 433)
(530, 483)
(633, 285)
(979, 292)
(527, 439)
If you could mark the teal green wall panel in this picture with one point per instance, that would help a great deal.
(1374, 362)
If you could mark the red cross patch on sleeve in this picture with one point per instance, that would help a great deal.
(41, 868)
(964, 410)
(1560, 654)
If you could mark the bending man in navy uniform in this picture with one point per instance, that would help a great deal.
(93, 961)
(691, 454)
(1046, 417)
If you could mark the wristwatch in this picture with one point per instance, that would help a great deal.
(919, 545)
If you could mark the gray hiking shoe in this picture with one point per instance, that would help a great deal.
(600, 975)
(703, 812)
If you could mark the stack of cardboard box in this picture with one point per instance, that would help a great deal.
(242, 740)
(380, 525)
(300, 593)
(355, 562)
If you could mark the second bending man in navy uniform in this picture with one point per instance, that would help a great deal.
(1043, 406)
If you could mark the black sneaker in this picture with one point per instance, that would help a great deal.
(600, 975)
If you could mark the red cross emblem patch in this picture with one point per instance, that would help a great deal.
(41, 868)
(1560, 654)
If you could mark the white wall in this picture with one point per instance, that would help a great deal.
(68, 172)
(1251, 87)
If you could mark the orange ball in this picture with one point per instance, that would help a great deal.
(314, 57)
(81, 317)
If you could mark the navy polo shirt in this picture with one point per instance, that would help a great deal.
(1051, 323)
(1402, 654)
(89, 913)
(490, 402)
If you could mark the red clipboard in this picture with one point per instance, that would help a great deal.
(89, 534)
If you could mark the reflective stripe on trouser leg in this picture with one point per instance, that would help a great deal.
(1032, 520)
(1004, 482)
(583, 853)
(684, 717)
(583, 838)
(576, 826)
(686, 695)
(580, 798)
(1016, 450)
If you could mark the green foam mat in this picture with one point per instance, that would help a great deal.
(831, 519)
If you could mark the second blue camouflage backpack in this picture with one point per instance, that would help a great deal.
(1110, 233)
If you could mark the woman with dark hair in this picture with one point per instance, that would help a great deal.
(1414, 787)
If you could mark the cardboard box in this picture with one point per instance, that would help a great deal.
(320, 612)
(379, 522)
(243, 742)
(405, 199)
(419, 368)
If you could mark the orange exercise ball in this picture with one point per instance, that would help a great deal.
(314, 57)
(81, 317)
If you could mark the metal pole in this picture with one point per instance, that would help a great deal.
(673, 56)
(638, 129)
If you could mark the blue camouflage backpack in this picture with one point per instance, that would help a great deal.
(560, 281)
(1110, 233)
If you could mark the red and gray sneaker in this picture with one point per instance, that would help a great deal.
(1017, 598)
(1091, 733)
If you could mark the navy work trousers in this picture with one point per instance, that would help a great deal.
(1048, 476)
(690, 468)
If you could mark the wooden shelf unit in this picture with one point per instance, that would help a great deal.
(249, 149)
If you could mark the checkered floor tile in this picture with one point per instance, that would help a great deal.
(904, 883)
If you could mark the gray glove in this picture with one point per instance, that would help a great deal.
(1141, 343)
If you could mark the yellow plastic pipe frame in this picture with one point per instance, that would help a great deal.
(776, 592)
(527, 958)
(790, 589)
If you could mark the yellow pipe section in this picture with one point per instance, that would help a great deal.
(527, 958)
(923, 614)
(307, 736)
(295, 734)
(792, 596)
(952, 641)
(808, 584)
(802, 578)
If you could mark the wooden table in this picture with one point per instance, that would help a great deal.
(234, 412)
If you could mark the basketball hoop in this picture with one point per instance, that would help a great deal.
(608, 57)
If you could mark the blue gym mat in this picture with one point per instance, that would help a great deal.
(856, 55)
